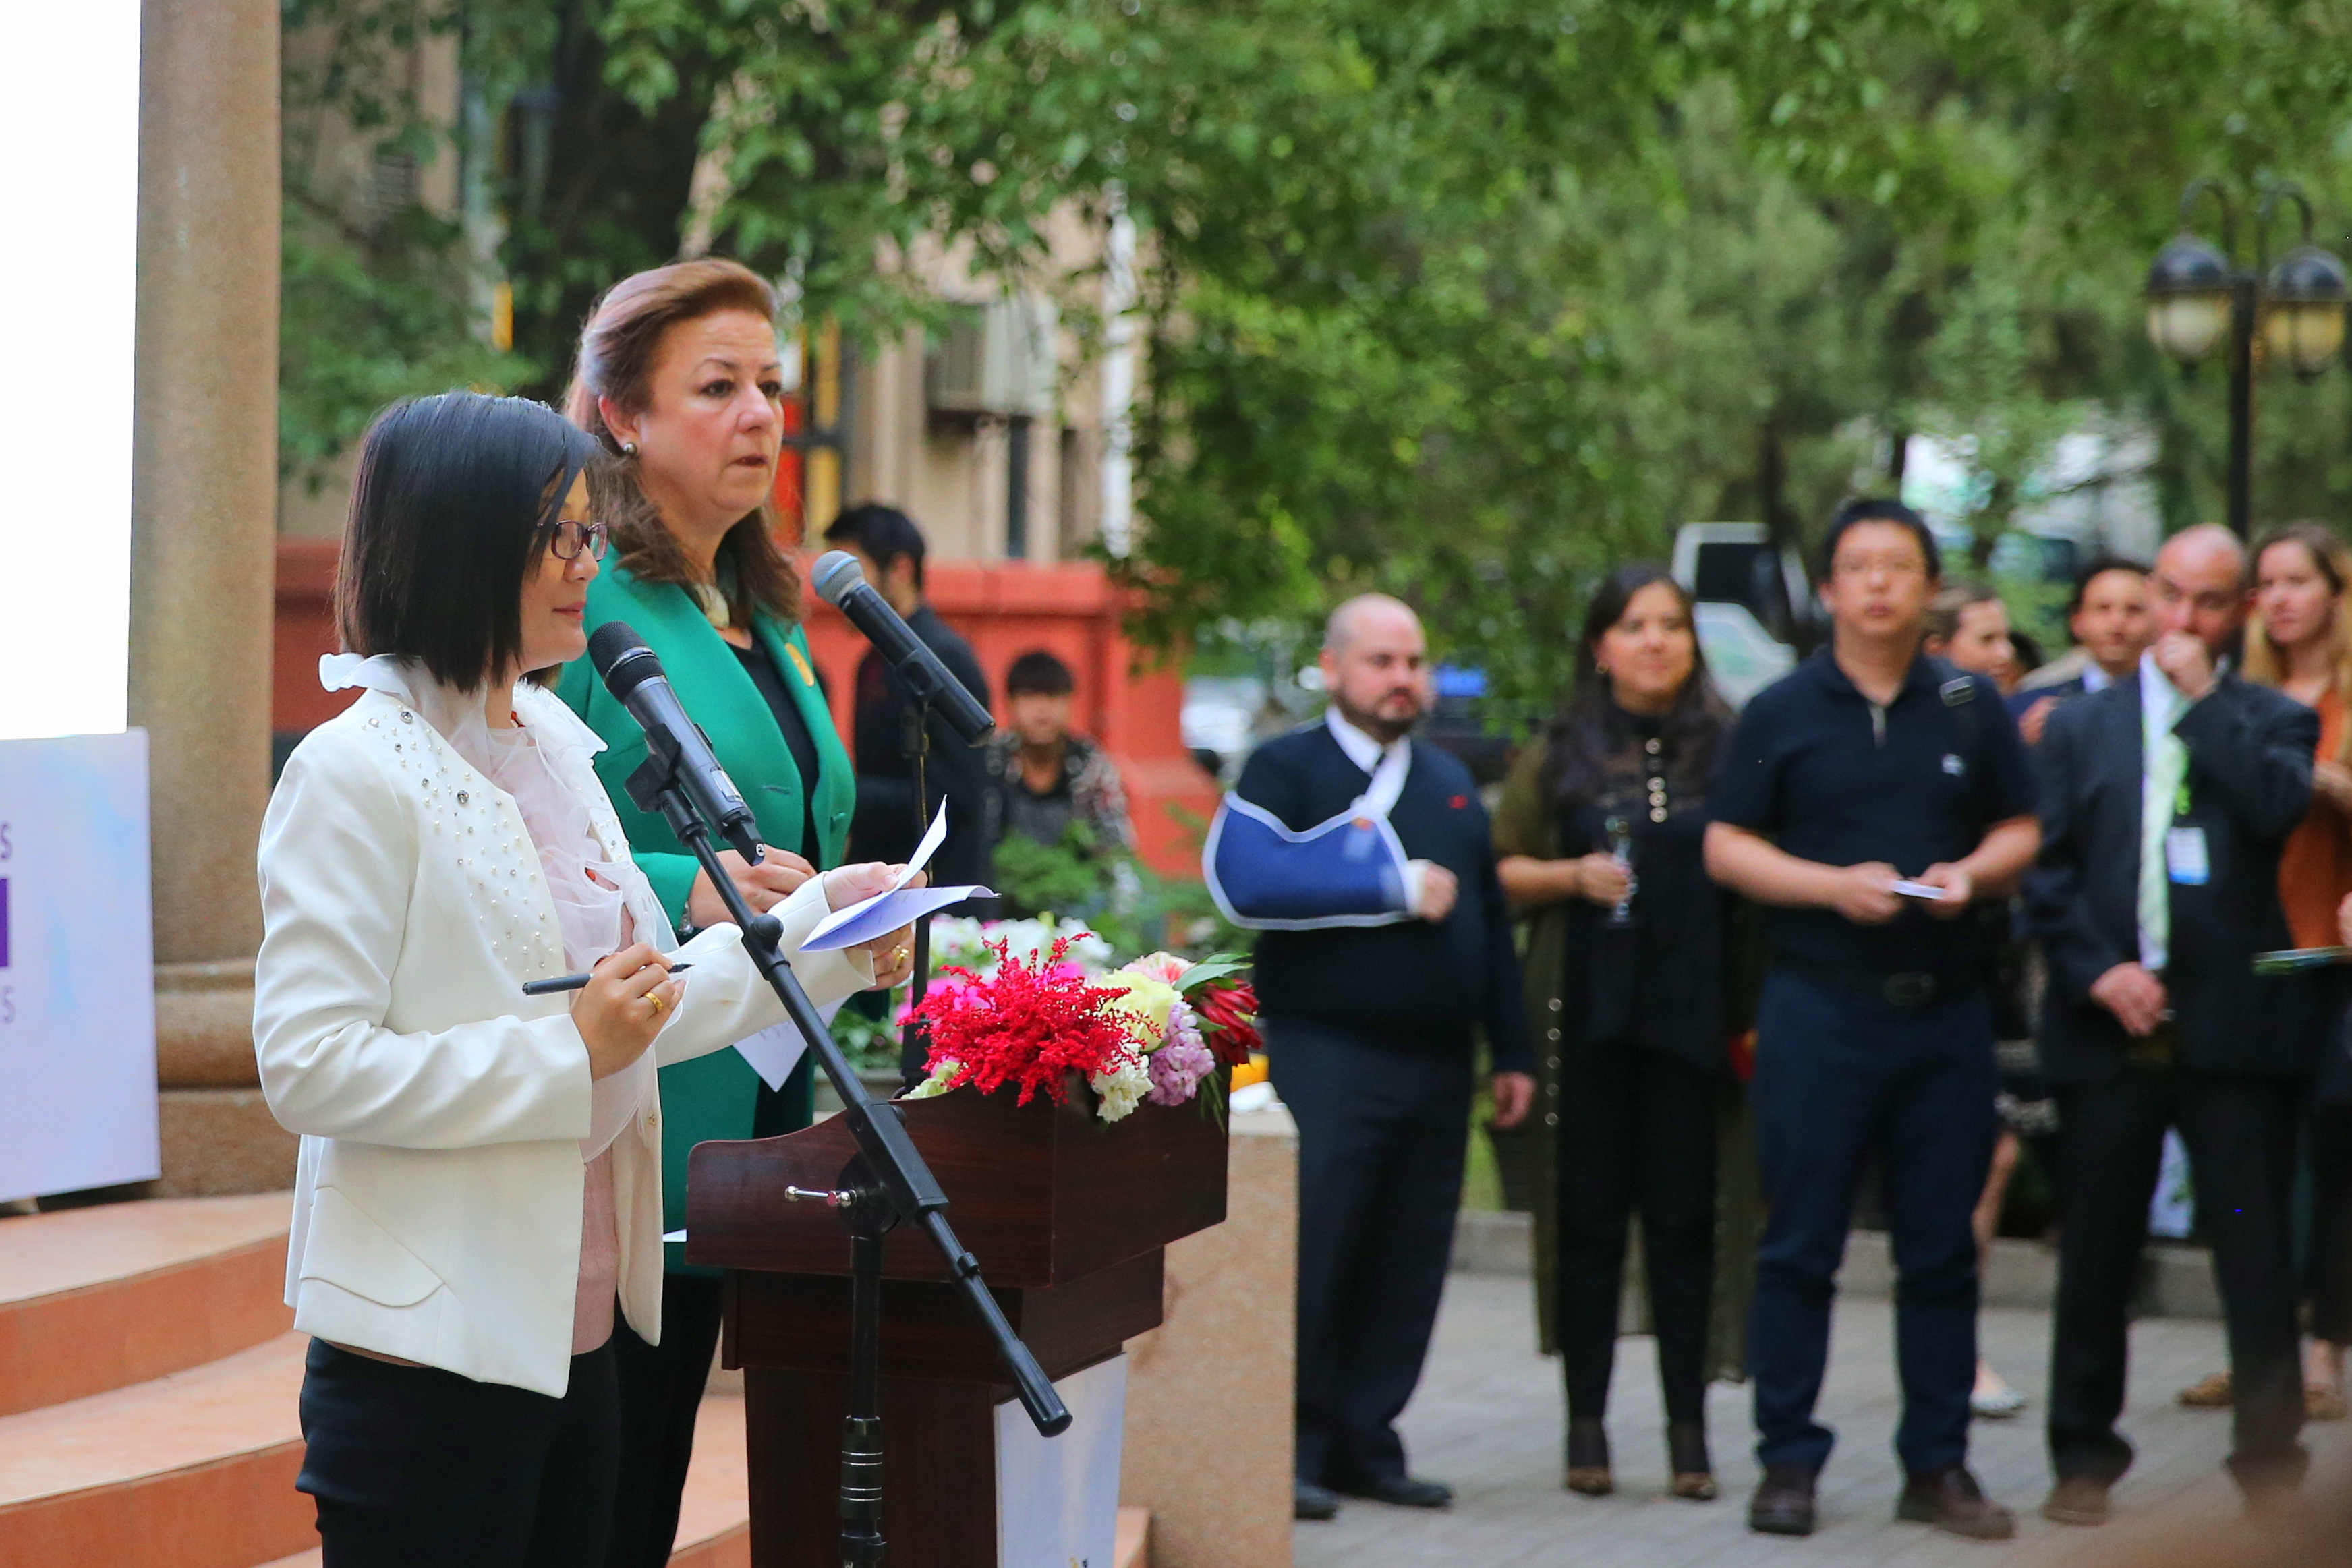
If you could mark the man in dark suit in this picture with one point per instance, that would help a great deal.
(890, 548)
(1371, 1036)
(2164, 801)
(2107, 618)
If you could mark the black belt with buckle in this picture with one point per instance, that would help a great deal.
(1903, 989)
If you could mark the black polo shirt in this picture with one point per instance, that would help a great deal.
(1829, 775)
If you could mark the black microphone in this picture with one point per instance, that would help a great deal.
(634, 676)
(841, 582)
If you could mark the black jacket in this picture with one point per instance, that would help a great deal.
(2250, 752)
(884, 828)
(1414, 985)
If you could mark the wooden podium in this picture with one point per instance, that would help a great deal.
(1068, 1217)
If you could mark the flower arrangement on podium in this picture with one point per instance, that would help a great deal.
(1037, 1016)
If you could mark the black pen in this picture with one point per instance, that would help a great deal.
(574, 982)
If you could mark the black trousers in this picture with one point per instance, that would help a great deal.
(2327, 1274)
(660, 1392)
(411, 1465)
(2241, 1136)
(1382, 1136)
(1636, 1132)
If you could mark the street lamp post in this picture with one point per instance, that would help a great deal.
(2200, 299)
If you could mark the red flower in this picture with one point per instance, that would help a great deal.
(1032, 1024)
(1228, 1014)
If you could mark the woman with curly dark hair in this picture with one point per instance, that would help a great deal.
(1600, 838)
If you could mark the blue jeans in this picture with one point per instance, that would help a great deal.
(1840, 1075)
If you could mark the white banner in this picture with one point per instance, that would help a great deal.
(77, 966)
(1058, 1498)
(69, 82)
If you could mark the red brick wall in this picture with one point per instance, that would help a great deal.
(1004, 610)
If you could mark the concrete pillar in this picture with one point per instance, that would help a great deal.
(205, 455)
(1209, 1392)
(204, 508)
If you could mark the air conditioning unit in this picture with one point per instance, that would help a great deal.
(995, 359)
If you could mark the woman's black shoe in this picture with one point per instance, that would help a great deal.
(1692, 1472)
(1310, 1502)
(1588, 1458)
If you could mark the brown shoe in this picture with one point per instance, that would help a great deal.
(1950, 1499)
(2078, 1499)
(1690, 1472)
(1588, 1458)
(2207, 1393)
(2321, 1402)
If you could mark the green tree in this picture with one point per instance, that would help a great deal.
(1462, 300)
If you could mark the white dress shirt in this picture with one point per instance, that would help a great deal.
(2164, 767)
(1369, 754)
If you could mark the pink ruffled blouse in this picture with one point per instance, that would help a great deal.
(594, 921)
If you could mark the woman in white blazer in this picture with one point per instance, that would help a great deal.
(479, 1186)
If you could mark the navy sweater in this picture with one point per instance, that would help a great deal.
(1413, 986)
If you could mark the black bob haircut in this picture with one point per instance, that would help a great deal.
(885, 534)
(453, 505)
(1039, 674)
(1879, 509)
(2097, 567)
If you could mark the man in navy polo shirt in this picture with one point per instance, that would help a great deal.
(1873, 799)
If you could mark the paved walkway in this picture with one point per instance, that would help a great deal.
(1488, 1421)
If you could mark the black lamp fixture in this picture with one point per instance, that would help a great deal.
(2199, 300)
(2302, 320)
(2189, 299)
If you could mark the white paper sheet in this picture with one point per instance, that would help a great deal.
(885, 912)
(894, 905)
(774, 1051)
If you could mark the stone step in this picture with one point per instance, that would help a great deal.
(106, 1297)
(194, 1469)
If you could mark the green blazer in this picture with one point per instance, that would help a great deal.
(712, 1096)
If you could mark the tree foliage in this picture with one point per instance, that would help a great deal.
(1459, 299)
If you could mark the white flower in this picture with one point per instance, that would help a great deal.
(1121, 1088)
(962, 941)
(937, 1083)
(1143, 1004)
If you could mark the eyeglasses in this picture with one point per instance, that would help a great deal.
(570, 538)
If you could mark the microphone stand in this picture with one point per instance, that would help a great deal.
(885, 1184)
(918, 738)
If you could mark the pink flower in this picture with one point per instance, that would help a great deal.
(1181, 1061)
(1165, 967)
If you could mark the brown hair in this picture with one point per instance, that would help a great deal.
(2264, 659)
(1944, 611)
(618, 351)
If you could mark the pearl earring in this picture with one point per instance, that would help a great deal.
(629, 449)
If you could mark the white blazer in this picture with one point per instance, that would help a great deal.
(437, 1201)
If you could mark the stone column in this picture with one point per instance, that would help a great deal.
(1209, 1392)
(204, 507)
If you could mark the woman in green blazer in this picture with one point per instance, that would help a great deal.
(679, 376)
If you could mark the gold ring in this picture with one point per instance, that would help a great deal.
(660, 1005)
(899, 954)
